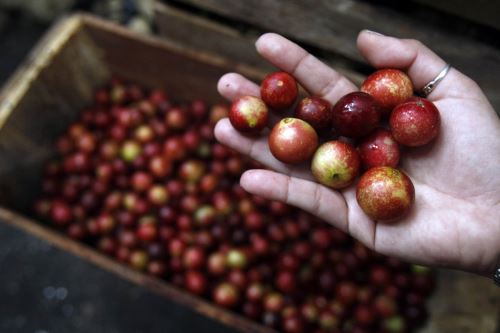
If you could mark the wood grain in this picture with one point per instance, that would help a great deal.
(59, 76)
(202, 33)
(334, 25)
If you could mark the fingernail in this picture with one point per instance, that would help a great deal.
(373, 32)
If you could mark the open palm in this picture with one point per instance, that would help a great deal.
(455, 221)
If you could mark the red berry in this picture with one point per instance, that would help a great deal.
(238, 278)
(293, 141)
(61, 213)
(194, 258)
(356, 115)
(415, 122)
(157, 268)
(191, 171)
(139, 259)
(255, 292)
(217, 112)
(274, 302)
(236, 258)
(389, 87)
(379, 149)
(226, 295)
(217, 264)
(286, 282)
(251, 310)
(141, 181)
(279, 90)
(158, 195)
(293, 324)
(380, 276)
(248, 114)
(130, 150)
(147, 231)
(364, 316)
(385, 193)
(347, 292)
(176, 119)
(106, 223)
(385, 306)
(195, 282)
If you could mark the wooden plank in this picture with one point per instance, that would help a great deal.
(201, 33)
(334, 25)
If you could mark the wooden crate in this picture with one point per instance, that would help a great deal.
(79, 54)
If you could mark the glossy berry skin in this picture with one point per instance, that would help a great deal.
(389, 87)
(279, 90)
(292, 141)
(216, 264)
(248, 114)
(355, 115)
(379, 149)
(385, 193)
(316, 111)
(130, 151)
(415, 122)
(194, 258)
(255, 292)
(335, 164)
(274, 302)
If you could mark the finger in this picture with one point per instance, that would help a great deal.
(421, 64)
(233, 85)
(307, 195)
(316, 77)
(257, 148)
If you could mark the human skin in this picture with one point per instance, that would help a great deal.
(455, 220)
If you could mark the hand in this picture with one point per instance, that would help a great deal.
(455, 221)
